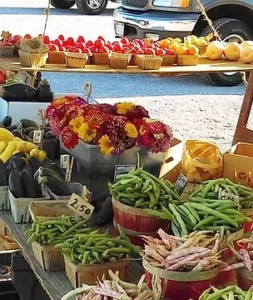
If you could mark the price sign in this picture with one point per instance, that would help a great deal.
(88, 89)
(37, 136)
(39, 179)
(64, 161)
(224, 195)
(181, 183)
(123, 169)
(80, 206)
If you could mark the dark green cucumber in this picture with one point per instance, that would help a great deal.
(15, 185)
(3, 175)
(34, 163)
(16, 163)
(29, 183)
(6, 121)
(58, 187)
(29, 123)
(51, 173)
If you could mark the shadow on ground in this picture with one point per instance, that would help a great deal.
(117, 86)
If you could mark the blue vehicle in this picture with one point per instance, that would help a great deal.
(158, 19)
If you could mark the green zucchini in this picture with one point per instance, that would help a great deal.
(15, 185)
(58, 187)
(6, 121)
(29, 123)
(29, 183)
(34, 163)
(16, 163)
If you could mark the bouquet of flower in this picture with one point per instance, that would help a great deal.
(114, 128)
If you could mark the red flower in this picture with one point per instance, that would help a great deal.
(106, 108)
(69, 138)
(137, 112)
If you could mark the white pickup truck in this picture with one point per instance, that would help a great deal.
(89, 7)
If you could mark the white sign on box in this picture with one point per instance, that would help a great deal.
(224, 195)
(80, 206)
(37, 136)
(64, 161)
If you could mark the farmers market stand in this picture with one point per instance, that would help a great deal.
(56, 284)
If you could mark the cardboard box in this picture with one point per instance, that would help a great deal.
(49, 258)
(172, 167)
(238, 164)
(89, 274)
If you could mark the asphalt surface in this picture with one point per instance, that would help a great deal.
(191, 106)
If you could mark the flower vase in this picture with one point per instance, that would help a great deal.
(96, 169)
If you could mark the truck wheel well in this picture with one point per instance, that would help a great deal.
(238, 12)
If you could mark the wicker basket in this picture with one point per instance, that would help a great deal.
(134, 60)
(7, 51)
(32, 60)
(35, 46)
(201, 161)
(149, 62)
(56, 57)
(100, 59)
(119, 61)
(76, 60)
(168, 60)
(187, 60)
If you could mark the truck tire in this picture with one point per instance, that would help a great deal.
(227, 27)
(62, 4)
(88, 8)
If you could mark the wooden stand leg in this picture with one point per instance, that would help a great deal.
(242, 133)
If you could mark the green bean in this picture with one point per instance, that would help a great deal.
(179, 220)
(205, 222)
(119, 250)
(217, 294)
(72, 229)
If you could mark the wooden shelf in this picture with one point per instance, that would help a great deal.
(204, 66)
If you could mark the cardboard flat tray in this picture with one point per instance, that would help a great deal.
(204, 65)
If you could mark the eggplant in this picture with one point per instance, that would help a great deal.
(44, 93)
(6, 122)
(11, 127)
(19, 92)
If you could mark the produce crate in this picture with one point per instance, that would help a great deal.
(248, 226)
(238, 164)
(20, 208)
(4, 199)
(74, 187)
(89, 274)
(181, 285)
(49, 210)
(49, 258)
(135, 222)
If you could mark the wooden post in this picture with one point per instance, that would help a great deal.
(242, 133)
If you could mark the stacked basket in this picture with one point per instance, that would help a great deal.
(33, 53)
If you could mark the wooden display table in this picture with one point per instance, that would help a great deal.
(205, 66)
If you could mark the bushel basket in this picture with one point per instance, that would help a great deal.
(201, 161)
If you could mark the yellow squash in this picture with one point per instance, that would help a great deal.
(6, 135)
(3, 145)
(8, 152)
(30, 146)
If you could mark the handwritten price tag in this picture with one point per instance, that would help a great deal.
(37, 136)
(181, 183)
(123, 169)
(80, 206)
(64, 161)
(223, 195)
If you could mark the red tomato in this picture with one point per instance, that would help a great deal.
(53, 47)
(124, 40)
(117, 47)
(87, 50)
(60, 48)
(7, 43)
(103, 50)
(61, 37)
(160, 52)
(77, 50)
(70, 41)
(93, 49)
(151, 46)
(2, 77)
(27, 36)
(80, 39)
(139, 42)
(58, 42)
(16, 38)
(101, 38)
(80, 45)
(126, 50)
(149, 51)
(109, 46)
(139, 51)
(170, 52)
(89, 44)
(99, 43)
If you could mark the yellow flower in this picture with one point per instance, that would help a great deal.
(123, 108)
(76, 123)
(131, 130)
(105, 145)
(85, 133)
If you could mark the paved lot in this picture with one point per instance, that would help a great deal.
(193, 108)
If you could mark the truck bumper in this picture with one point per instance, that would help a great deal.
(153, 24)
